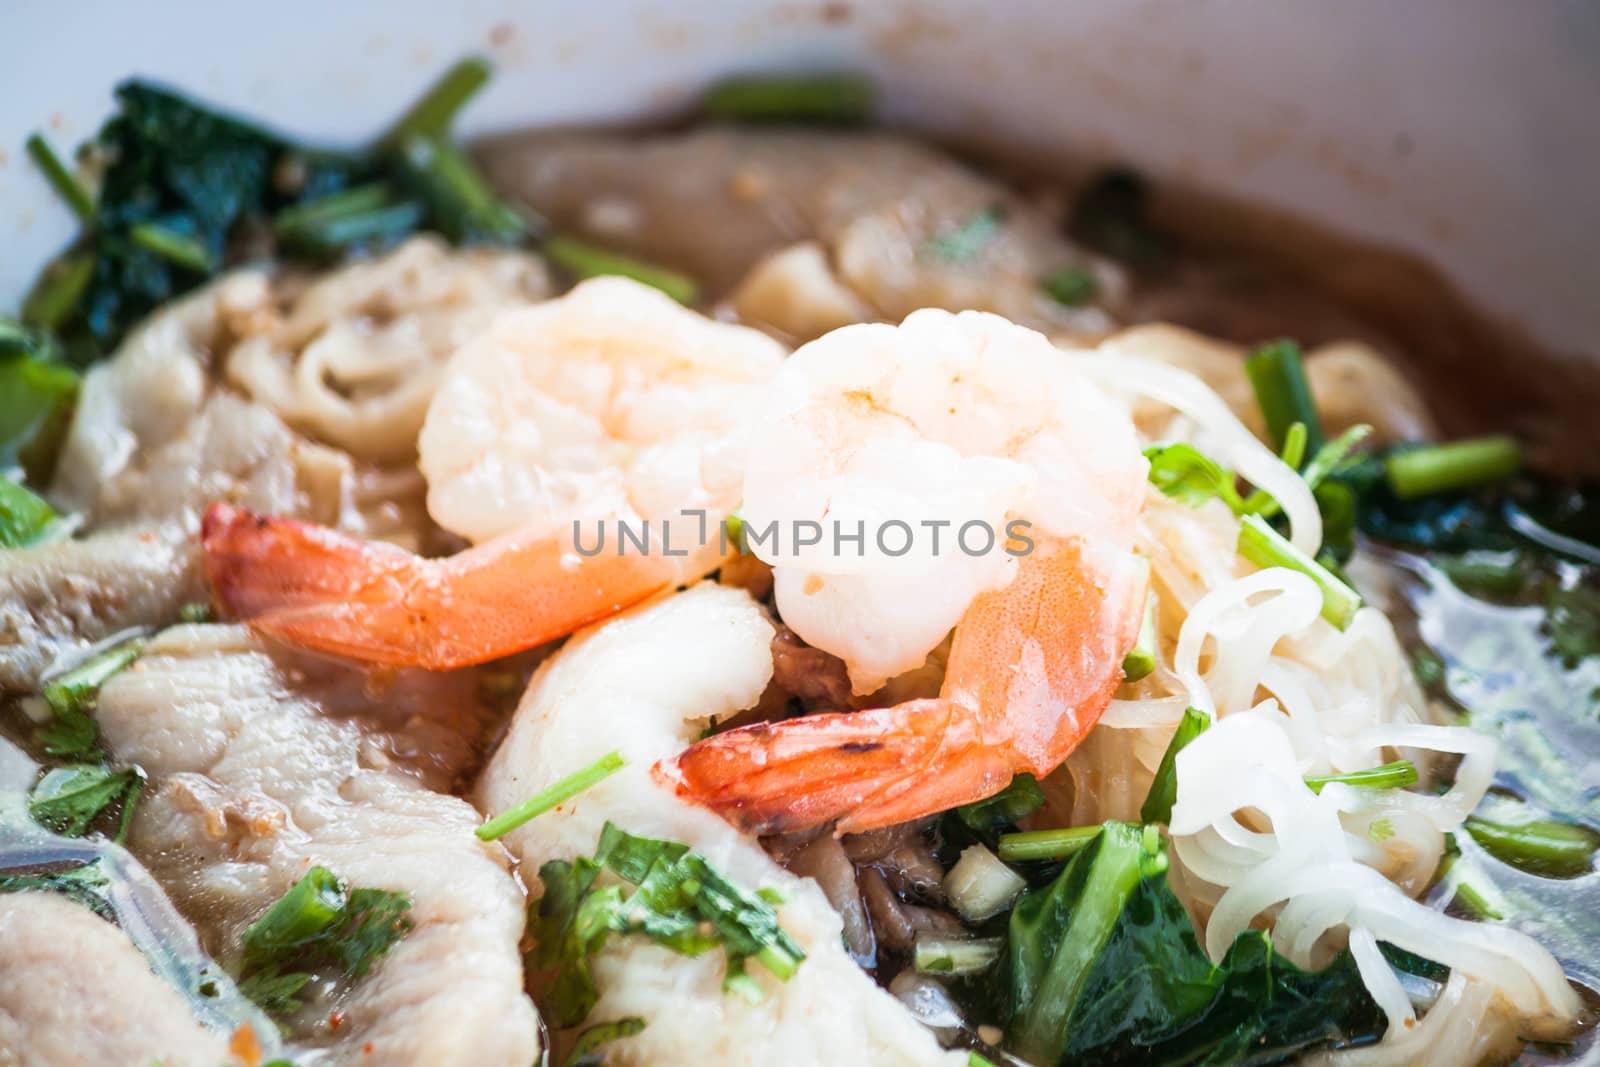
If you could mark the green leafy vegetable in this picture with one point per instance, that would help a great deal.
(586, 261)
(1545, 847)
(1104, 967)
(1071, 286)
(184, 182)
(836, 99)
(1020, 798)
(1396, 775)
(550, 797)
(1265, 547)
(1278, 377)
(1421, 472)
(1157, 807)
(586, 1051)
(25, 518)
(966, 240)
(679, 901)
(68, 799)
(318, 923)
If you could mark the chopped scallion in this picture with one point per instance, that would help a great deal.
(1458, 465)
(1265, 547)
(583, 260)
(545, 799)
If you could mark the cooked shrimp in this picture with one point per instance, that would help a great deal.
(955, 418)
(612, 404)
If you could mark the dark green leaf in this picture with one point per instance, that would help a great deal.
(1019, 799)
(374, 920)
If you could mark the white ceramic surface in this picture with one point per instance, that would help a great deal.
(1466, 130)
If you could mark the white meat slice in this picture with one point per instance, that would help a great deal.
(647, 683)
(263, 765)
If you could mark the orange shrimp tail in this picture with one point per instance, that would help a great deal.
(865, 769)
(325, 590)
(1032, 668)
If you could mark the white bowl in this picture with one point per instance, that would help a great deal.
(1464, 130)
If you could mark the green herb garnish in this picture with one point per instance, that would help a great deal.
(1394, 775)
(318, 922)
(68, 799)
(1278, 376)
(1071, 286)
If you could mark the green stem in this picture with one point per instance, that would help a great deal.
(1394, 775)
(62, 180)
(432, 115)
(172, 246)
(547, 798)
(1278, 376)
(72, 690)
(1543, 847)
(1458, 465)
(1141, 658)
(1265, 547)
(464, 207)
(586, 261)
(1047, 844)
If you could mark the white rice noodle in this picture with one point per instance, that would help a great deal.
(1245, 767)
(1232, 443)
